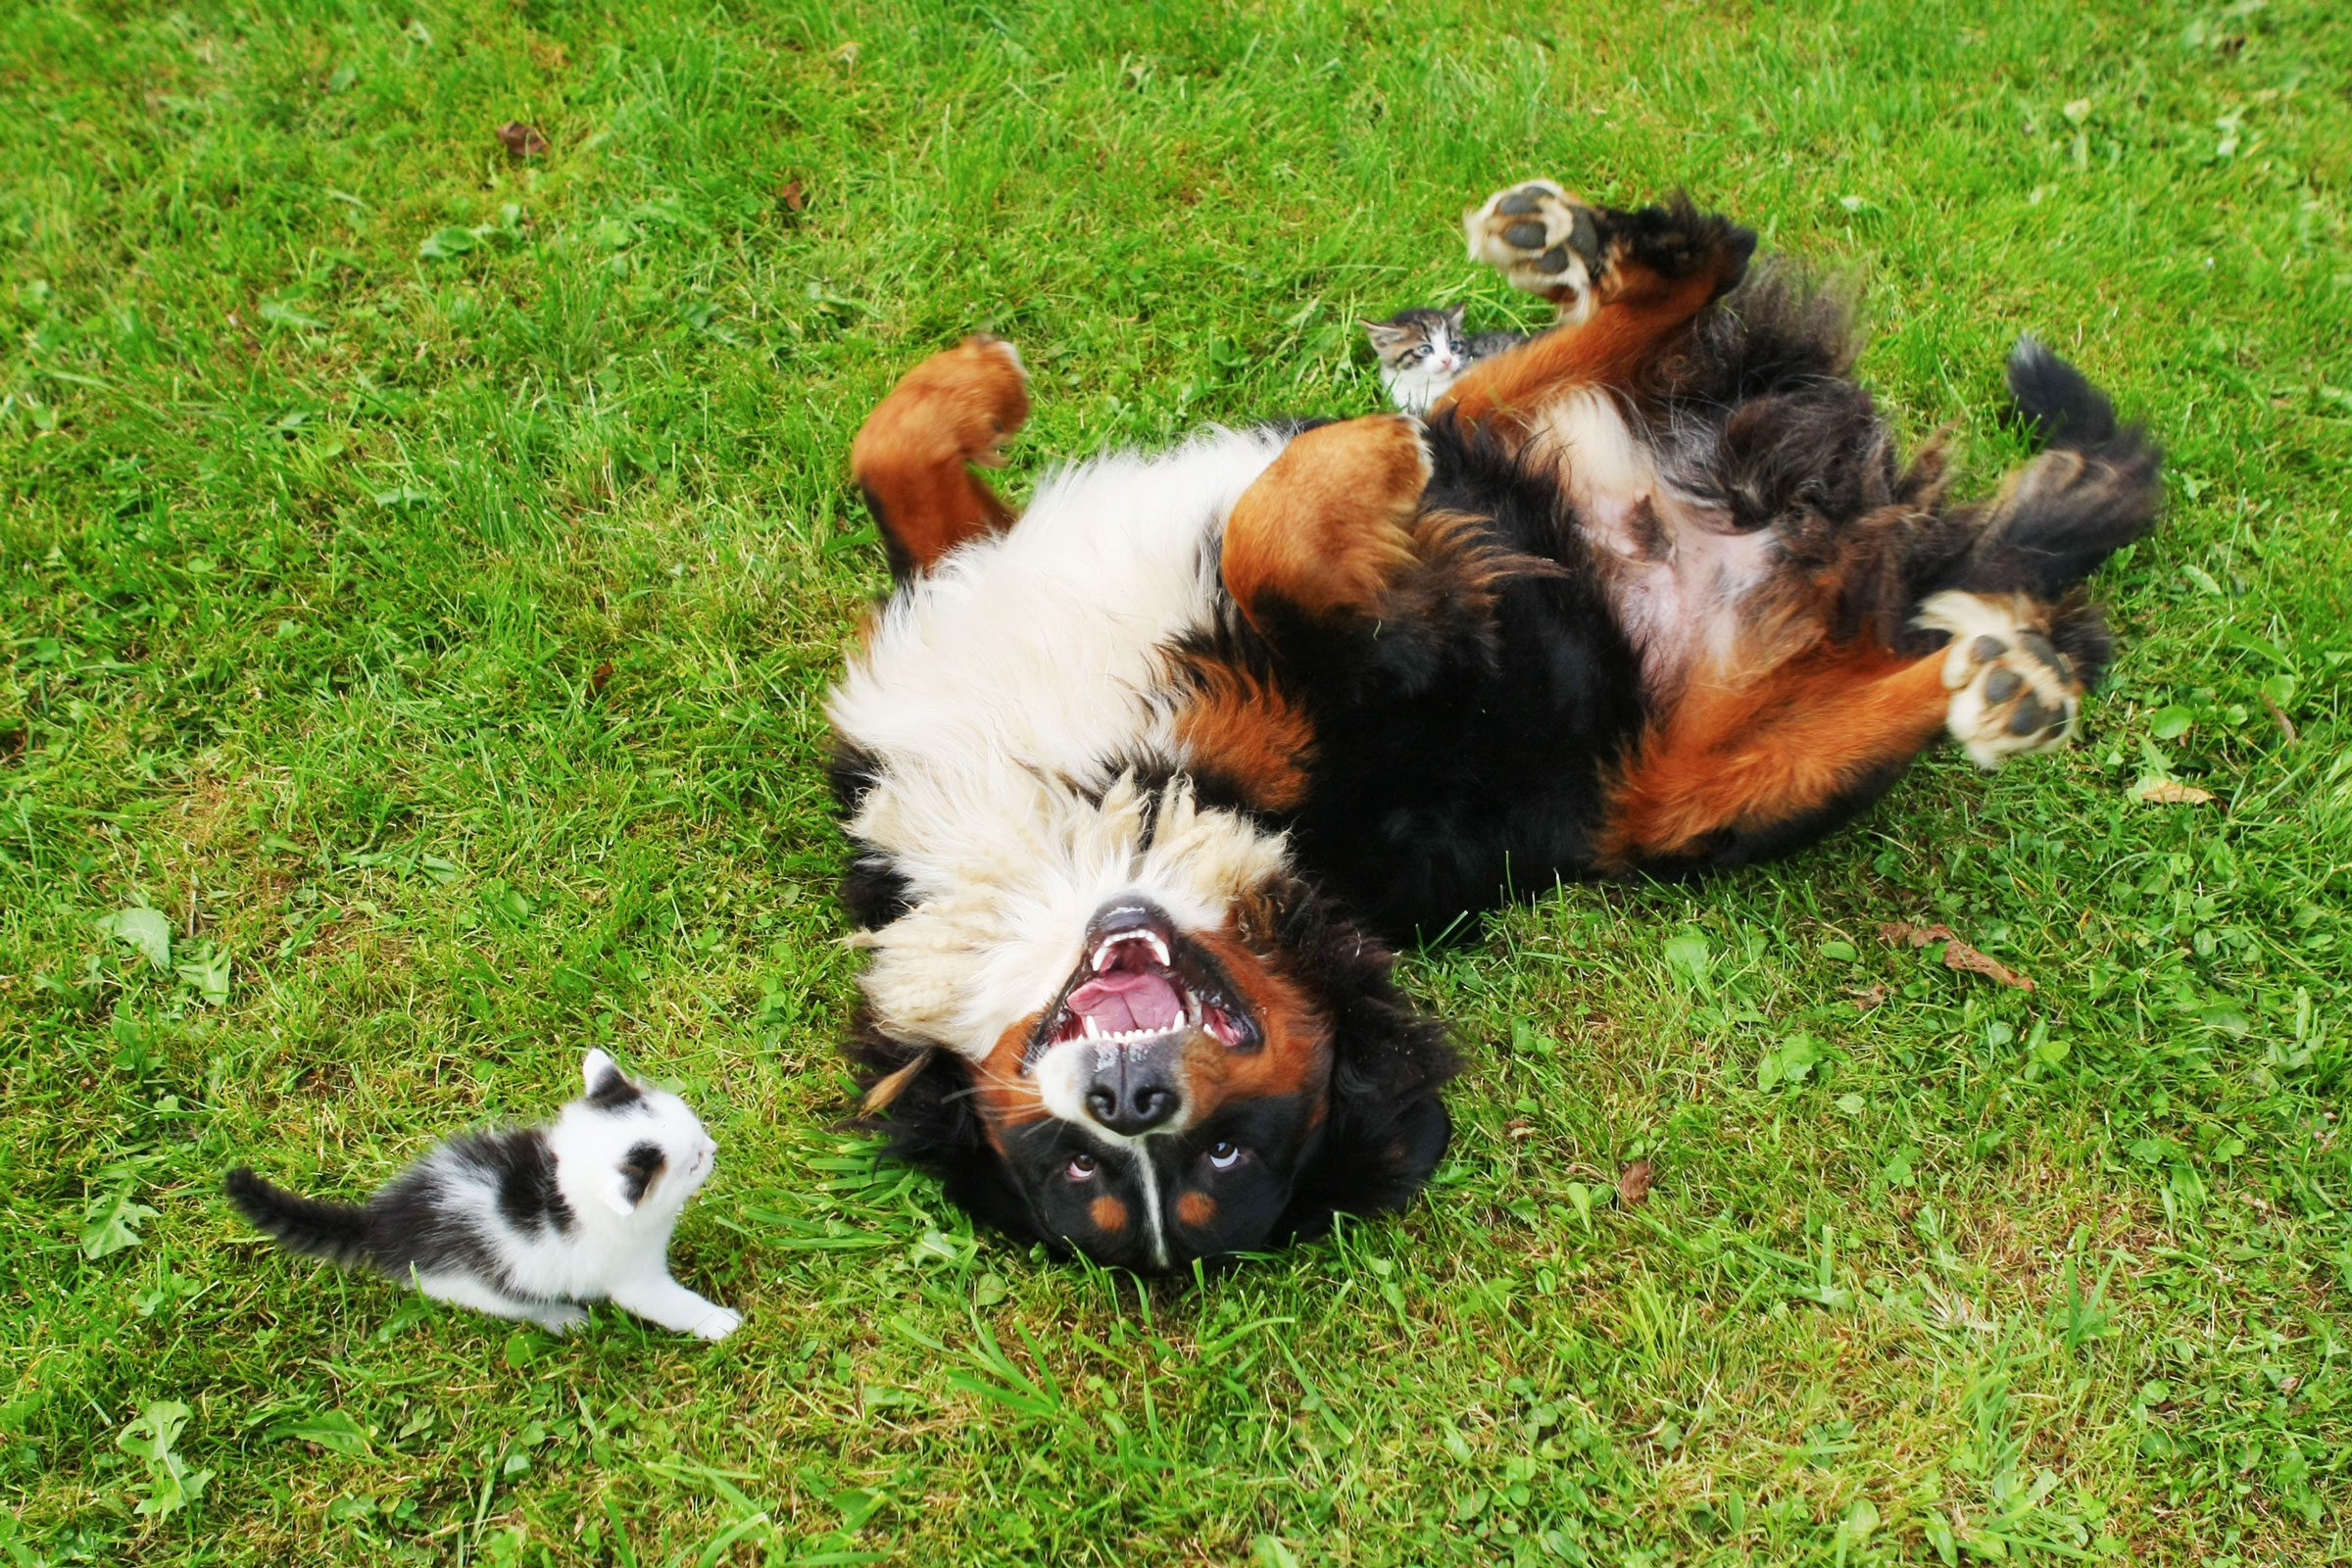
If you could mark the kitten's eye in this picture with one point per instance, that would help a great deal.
(1224, 1155)
(1423, 352)
(1081, 1167)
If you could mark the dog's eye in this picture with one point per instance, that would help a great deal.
(1081, 1167)
(1224, 1155)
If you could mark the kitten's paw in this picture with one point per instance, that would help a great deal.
(561, 1320)
(719, 1323)
(2012, 691)
(1541, 238)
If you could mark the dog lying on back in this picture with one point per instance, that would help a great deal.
(1138, 784)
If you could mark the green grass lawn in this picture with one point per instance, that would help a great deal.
(421, 567)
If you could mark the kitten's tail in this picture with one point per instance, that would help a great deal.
(338, 1232)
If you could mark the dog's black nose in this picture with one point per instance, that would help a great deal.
(1134, 1090)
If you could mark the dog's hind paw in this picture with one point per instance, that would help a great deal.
(2012, 691)
(1541, 239)
(1547, 242)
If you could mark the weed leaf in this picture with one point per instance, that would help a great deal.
(110, 1224)
(171, 1485)
(334, 1431)
(144, 929)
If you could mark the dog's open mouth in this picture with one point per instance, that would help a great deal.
(1140, 979)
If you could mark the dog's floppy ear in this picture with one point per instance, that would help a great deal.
(919, 1099)
(1386, 1127)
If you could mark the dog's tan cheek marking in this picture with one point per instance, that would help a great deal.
(1296, 1057)
(1195, 1211)
(1006, 1096)
(1108, 1214)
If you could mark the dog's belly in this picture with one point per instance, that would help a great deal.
(1677, 570)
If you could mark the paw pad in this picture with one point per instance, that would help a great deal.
(1541, 238)
(2012, 691)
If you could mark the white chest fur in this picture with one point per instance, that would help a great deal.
(999, 695)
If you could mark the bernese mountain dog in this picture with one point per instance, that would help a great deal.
(1139, 785)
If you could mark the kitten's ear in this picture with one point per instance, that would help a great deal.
(609, 1089)
(630, 1180)
(617, 1193)
(1453, 317)
(1383, 333)
(594, 1066)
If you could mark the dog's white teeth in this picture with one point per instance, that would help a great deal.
(1160, 949)
(1092, 1029)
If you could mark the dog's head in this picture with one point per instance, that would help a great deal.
(1189, 1086)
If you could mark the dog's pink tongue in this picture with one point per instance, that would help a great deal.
(1120, 1003)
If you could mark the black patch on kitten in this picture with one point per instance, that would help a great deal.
(411, 1225)
(614, 1091)
(639, 1167)
(527, 1196)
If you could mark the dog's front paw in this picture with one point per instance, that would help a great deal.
(985, 396)
(2012, 691)
(1541, 239)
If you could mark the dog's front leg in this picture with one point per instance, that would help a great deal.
(912, 455)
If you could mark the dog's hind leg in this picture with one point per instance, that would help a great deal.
(1741, 769)
(912, 455)
(1970, 621)
(1625, 282)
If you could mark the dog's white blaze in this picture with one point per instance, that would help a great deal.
(1156, 1227)
(997, 692)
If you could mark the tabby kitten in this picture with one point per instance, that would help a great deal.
(530, 1222)
(1424, 350)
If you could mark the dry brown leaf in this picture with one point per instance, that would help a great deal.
(1865, 998)
(2166, 792)
(522, 140)
(1957, 955)
(793, 196)
(598, 676)
(1633, 1184)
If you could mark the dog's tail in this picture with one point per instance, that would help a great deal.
(336, 1232)
(2091, 491)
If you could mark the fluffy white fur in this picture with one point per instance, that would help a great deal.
(995, 693)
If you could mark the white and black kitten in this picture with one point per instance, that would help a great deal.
(1424, 350)
(527, 1223)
